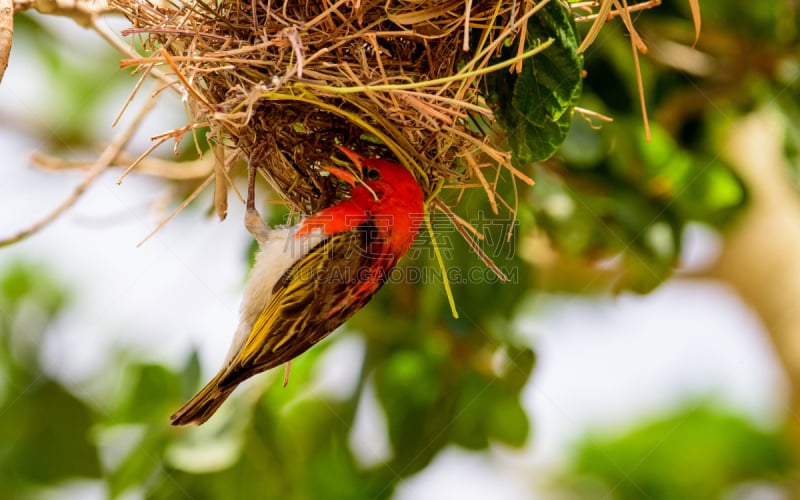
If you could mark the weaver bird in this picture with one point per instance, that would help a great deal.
(310, 278)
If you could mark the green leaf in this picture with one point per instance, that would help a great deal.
(535, 106)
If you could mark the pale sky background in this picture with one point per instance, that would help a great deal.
(603, 364)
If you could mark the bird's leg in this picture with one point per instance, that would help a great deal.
(286, 369)
(252, 219)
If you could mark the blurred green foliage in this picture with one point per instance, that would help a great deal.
(435, 390)
(696, 453)
(43, 426)
(611, 205)
(615, 205)
(79, 83)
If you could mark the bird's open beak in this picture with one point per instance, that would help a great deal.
(342, 174)
(356, 158)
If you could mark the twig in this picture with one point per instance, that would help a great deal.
(297, 45)
(490, 193)
(439, 81)
(84, 13)
(178, 210)
(141, 157)
(186, 85)
(447, 290)
(592, 114)
(131, 31)
(523, 35)
(467, 13)
(154, 167)
(614, 13)
(637, 46)
(105, 159)
(695, 6)
(459, 225)
(597, 25)
(220, 182)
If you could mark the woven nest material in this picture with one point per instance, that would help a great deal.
(281, 82)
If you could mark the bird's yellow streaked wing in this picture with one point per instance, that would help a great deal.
(305, 304)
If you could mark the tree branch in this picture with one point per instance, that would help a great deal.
(105, 159)
(6, 30)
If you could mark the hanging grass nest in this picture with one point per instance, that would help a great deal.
(281, 82)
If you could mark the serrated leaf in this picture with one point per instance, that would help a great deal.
(535, 106)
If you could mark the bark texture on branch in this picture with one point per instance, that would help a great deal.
(6, 31)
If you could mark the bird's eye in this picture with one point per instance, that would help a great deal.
(371, 174)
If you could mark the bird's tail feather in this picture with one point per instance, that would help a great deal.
(204, 404)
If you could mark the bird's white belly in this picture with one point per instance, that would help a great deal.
(281, 250)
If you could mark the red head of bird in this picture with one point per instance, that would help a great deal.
(309, 279)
